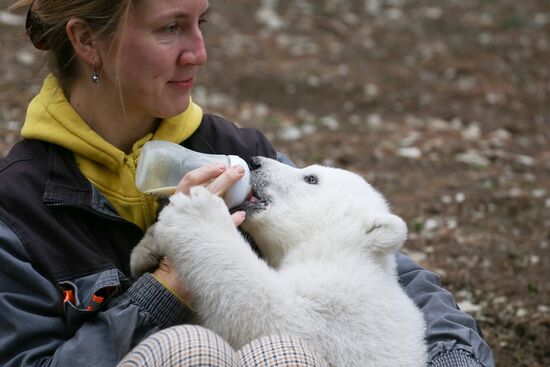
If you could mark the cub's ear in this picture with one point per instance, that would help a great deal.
(385, 233)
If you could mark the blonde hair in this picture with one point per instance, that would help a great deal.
(105, 17)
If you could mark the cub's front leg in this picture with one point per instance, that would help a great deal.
(228, 283)
(194, 228)
(188, 220)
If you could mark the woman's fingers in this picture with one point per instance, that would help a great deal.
(224, 181)
(200, 176)
(238, 218)
(217, 178)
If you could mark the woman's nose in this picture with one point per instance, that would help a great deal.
(195, 52)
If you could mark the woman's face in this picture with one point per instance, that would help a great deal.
(160, 53)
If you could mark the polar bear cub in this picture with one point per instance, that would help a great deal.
(328, 239)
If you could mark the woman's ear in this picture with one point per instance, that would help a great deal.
(82, 39)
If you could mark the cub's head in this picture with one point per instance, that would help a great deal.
(318, 206)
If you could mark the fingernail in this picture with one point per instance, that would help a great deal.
(239, 169)
(220, 166)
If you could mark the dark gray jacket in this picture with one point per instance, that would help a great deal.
(65, 294)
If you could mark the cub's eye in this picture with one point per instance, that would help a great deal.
(311, 179)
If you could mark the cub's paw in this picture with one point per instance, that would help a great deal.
(145, 256)
(199, 200)
(190, 223)
(199, 208)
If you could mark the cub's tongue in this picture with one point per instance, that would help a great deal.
(250, 199)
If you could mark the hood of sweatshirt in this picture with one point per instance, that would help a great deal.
(51, 118)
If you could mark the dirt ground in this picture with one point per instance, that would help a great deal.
(444, 105)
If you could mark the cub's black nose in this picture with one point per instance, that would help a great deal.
(255, 163)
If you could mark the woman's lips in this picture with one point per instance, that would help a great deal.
(182, 84)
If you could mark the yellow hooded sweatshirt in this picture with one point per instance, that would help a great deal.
(51, 118)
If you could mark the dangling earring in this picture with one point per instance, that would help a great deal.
(95, 75)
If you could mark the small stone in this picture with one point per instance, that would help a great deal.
(521, 312)
(409, 152)
(472, 133)
(433, 13)
(473, 158)
(469, 307)
(452, 223)
(431, 225)
(374, 121)
(330, 122)
(371, 91)
(394, 14)
(267, 15)
(289, 133)
(11, 19)
(525, 160)
(417, 256)
(26, 58)
(460, 197)
(438, 124)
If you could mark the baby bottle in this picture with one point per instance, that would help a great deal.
(162, 164)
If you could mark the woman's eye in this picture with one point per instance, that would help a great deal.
(172, 28)
(202, 21)
(311, 179)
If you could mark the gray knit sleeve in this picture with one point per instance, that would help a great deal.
(163, 307)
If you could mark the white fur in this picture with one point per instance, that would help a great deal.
(330, 271)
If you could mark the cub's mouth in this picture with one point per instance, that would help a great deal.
(257, 200)
(254, 203)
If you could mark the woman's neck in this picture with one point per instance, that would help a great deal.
(102, 110)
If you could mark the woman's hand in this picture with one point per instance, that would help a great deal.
(217, 179)
(166, 275)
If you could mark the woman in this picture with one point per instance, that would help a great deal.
(121, 75)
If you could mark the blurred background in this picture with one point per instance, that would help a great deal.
(444, 105)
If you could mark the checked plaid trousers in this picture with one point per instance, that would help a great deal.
(195, 346)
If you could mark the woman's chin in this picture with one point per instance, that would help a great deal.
(177, 108)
